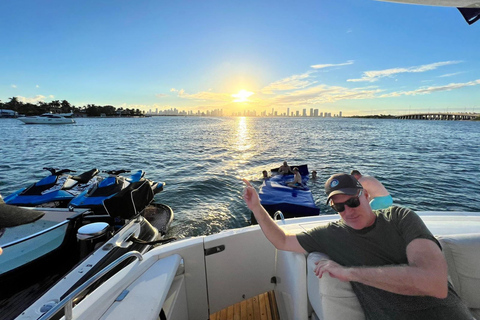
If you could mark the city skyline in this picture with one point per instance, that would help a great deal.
(378, 58)
(245, 113)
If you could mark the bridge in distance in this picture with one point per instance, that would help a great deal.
(440, 116)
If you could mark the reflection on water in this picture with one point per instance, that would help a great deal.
(426, 165)
(242, 139)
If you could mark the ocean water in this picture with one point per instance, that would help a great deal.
(426, 165)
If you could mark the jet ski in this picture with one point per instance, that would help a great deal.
(127, 196)
(55, 190)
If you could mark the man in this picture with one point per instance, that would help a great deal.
(284, 168)
(393, 262)
(379, 197)
(297, 179)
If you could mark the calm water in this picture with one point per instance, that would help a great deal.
(426, 165)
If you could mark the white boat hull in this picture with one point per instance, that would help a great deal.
(196, 277)
(48, 118)
(441, 3)
(29, 242)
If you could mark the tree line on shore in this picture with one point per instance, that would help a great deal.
(57, 106)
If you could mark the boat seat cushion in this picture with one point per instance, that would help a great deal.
(462, 253)
(331, 298)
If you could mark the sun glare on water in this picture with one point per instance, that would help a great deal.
(242, 96)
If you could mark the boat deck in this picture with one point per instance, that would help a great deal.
(12, 306)
(261, 307)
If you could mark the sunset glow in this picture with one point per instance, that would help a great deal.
(242, 96)
(241, 59)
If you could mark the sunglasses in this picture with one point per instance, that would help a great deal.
(352, 203)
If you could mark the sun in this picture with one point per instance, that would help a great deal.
(242, 96)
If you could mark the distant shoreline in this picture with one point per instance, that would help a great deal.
(381, 116)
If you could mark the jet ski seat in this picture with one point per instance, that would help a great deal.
(86, 176)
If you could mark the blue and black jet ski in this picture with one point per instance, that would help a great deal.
(126, 195)
(55, 190)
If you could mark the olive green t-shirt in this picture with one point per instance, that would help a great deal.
(384, 243)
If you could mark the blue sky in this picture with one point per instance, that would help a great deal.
(355, 56)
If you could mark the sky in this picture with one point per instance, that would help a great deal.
(359, 57)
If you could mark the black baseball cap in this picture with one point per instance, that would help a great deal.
(342, 183)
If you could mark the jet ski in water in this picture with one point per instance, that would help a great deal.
(126, 196)
(55, 190)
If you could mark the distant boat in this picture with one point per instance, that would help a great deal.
(5, 113)
(49, 118)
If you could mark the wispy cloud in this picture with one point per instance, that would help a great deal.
(303, 90)
(33, 100)
(14, 86)
(161, 95)
(432, 89)
(298, 81)
(325, 94)
(37, 86)
(450, 74)
(329, 65)
(372, 76)
(205, 95)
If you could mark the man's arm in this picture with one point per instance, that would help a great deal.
(425, 274)
(272, 231)
(375, 188)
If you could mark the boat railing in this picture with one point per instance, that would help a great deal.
(67, 302)
(279, 214)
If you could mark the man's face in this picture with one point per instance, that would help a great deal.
(359, 217)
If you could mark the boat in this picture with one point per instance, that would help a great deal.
(470, 9)
(276, 195)
(49, 118)
(28, 244)
(42, 252)
(5, 113)
(204, 277)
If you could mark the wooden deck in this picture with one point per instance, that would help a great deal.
(261, 307)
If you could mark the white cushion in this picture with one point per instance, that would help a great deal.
(462, 253)
(331, 298)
